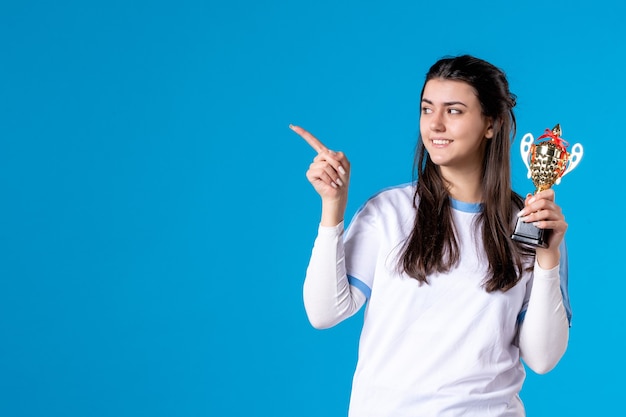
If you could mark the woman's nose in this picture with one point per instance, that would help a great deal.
(436, 122)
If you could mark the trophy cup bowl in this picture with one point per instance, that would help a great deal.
(547, 162)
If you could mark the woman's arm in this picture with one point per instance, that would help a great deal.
(544, 332)
(328, 296)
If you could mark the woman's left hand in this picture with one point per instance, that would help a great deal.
(541, 210)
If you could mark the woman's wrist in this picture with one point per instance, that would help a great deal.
(333, 212)
(548, 258)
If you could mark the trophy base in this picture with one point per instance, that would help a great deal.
(530, 234)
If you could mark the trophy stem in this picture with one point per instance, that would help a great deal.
(530, 234)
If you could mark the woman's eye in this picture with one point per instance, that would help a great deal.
(426, 110)
(454, 111)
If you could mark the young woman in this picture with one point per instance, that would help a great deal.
(453, 303)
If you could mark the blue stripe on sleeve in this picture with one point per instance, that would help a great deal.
(355, 282)
(563, 272)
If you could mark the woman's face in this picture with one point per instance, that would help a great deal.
(453, 127)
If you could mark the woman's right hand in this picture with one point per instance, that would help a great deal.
(329, 173)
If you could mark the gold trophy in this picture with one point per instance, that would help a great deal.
(547, 161)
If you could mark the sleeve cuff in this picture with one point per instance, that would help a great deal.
(330, 230)
(546, 274)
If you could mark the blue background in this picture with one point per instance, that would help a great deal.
(156, 222)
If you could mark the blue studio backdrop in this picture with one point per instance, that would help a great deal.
(156, 223)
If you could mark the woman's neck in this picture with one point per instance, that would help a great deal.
(464, 186)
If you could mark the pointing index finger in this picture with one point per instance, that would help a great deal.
(311, 140)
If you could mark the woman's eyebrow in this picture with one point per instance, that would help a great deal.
(447, 103)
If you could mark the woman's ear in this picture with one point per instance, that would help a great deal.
(489, 131)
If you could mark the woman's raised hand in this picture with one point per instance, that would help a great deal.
(541, 210)
(329, 173)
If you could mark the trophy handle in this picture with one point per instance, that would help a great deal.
(574, 158)
(524, 148)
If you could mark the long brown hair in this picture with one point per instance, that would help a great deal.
(432, 246)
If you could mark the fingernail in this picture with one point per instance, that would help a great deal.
(532, 200)
(341, 170)
(339, 182)
(332, 184)
(521, 213)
